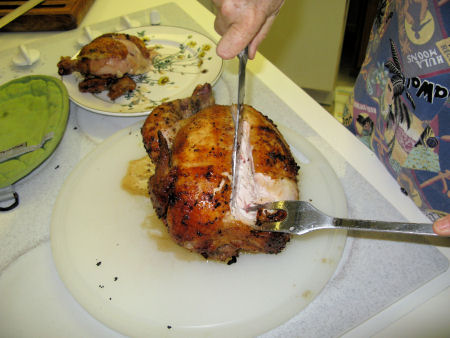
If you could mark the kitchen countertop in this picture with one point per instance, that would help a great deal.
(420, 312)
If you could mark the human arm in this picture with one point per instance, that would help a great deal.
(242, 23)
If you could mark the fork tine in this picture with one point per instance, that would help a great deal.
(277, 220)
(300, 217)
(267, 205)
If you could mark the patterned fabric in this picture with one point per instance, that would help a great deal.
(400, 104)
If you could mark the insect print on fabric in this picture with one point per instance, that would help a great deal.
(400, 104)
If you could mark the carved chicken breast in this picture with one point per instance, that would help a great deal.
(191, 188)
(107, 61)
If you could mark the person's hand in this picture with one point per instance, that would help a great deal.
(442, 226)
(242, 23)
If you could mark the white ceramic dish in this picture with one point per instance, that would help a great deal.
(187, 58)
(109, 254)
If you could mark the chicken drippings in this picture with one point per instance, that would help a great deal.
(157, 232)
(135, 182)
(136, 178)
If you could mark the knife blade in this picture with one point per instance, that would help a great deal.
(243, 57)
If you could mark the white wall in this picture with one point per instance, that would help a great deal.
(305, 43)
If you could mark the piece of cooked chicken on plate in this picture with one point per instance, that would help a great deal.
(107, 63)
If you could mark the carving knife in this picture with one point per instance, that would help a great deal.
(243, 57)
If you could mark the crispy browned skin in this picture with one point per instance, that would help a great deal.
(167, 117)
(120, 87)
(66, 65)
(94, 85)
(197, 210)
(106, 63)
(191, 188)
(161, 183)
(104, 47)
(115, 87)
(271, 154)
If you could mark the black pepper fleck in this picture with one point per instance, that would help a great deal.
(232, 260)
(169, 327)
(57, 166)
(116, 278)
(99, 263)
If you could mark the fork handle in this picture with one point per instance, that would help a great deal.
(381, 226)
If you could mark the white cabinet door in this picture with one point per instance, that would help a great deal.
(305, 43)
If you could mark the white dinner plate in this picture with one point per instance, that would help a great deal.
(186, 58)
(112, 257)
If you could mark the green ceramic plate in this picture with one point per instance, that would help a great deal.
(31, 108)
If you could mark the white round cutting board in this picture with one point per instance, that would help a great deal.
(110, 255)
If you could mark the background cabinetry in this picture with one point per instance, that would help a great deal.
(305, 43)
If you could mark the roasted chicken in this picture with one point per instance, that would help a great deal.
(107, 63)
(191, 142)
